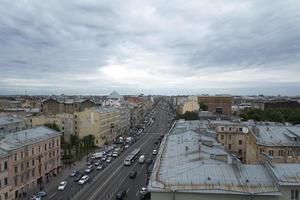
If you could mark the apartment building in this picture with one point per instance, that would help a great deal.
(103, 123)
(64, 121)
(124, 127)
(188, 105)
(232, 135)
(281, 143)
(28, 158)
(217, 104)
(10, 124)
(194, 165)
(54, 106)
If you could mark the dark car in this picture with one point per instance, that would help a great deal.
(132, 174)
(149, 161)
(77, 177)
(121, 195)
(74, 173)
(156, 142)
(144, 194)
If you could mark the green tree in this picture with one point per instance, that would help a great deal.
(203, 106)
(52, 126)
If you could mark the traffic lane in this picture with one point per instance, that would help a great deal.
(133, 186)
(110, 189)
(73, 187)
(91, 191)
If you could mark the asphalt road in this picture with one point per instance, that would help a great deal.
(114, 177)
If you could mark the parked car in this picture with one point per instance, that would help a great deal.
(121, 195)
(103, 158)
(74, 173)
(109, 159)
(97, 163)
(89, 169)
(133, 174)
(154, 152)
(142, 159)
(41, 194)
(100, 167)
(78, 177)
(149, 161)
(62, 185)
(90, 162)
(126, 146)
(83, 179)
(35, 197)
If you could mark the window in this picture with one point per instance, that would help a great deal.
(222, 137)
(240, 152)
(22, 155)
(280, 153)
(290, 153)
(56, 142)
(27, 164)
(240, 129)
(22, 167)
(294, 195)
(16, 169)
(16, 157)
(39, 148)
(271, 152)
(240, 142)
(5, 181)
(229, 137)
(222, 128)
(229, 146)
(32, 151)
(45, 147)
(5, 165)
(32, 162)
(230, 128)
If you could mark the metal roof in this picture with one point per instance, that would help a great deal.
(4, 120)
(278, 135)
(187, 165)
(26, 137)
(287, 174)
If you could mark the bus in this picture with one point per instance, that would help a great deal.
(131, 157)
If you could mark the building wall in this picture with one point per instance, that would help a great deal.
(103, 125)
(214, 102)
(214, 196)
(4, 178)
(232, 137)
(30, 165)
(190, 106)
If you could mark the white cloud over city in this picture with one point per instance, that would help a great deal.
(171, 47)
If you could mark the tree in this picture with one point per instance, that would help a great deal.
(52, 126)
(188, 115)
(203, 106)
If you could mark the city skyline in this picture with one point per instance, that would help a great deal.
(157, 47)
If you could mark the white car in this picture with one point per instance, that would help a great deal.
(62, 185)
(83, 179)
(126, 146)
(154, 152)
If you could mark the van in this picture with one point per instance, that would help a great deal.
(142, 159)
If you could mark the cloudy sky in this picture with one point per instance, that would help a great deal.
(153, 46)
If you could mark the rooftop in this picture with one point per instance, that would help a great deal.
(287, 174)
(194, 162)
(277, 135)
(4, 120)
(26, 137)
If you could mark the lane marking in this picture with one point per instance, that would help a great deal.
(110, 177)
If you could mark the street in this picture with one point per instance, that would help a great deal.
(106, 183)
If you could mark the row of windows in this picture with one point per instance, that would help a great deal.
(33, 151)
(281, 152)
(230, 129)
(229, 137)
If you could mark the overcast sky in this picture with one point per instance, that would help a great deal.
(154, 46)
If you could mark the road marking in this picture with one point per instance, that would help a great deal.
(127, 191)
(110, 177)
(53, 195)
(137, 192)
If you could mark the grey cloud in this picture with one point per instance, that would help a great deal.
(38, 39)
